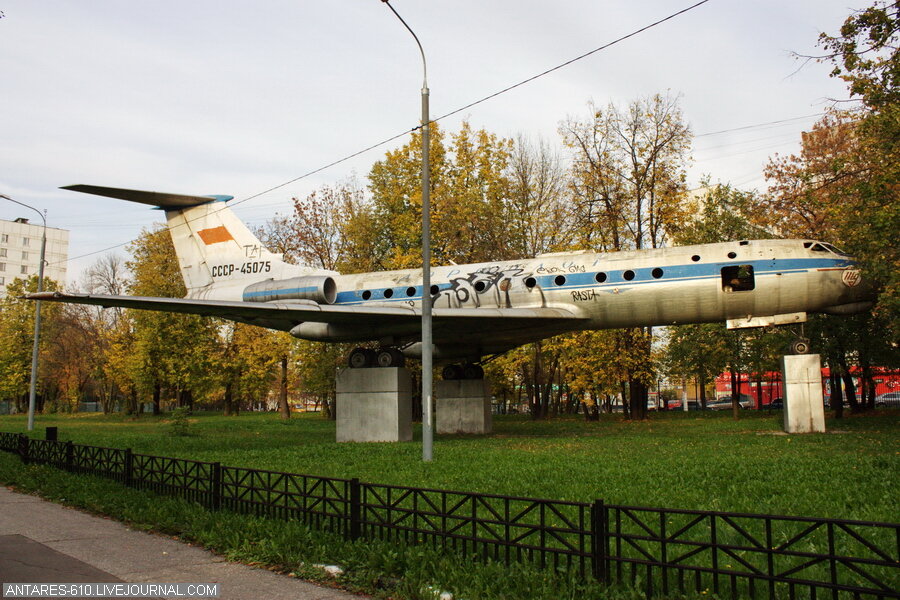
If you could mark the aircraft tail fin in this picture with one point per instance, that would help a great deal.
(218, 255)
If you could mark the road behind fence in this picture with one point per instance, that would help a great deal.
(661, 551)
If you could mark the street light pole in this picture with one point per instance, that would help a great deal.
(32, 386)
(427, 357)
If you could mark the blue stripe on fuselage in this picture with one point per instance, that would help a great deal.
(615, 277)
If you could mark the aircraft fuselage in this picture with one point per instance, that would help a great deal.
(778, 281)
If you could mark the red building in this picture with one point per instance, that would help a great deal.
(886, 380)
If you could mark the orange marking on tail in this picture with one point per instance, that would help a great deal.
(214, 235)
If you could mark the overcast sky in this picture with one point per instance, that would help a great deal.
(225, 97)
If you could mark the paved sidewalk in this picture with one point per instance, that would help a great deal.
(43, 542)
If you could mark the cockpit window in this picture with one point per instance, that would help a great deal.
(823, 247)
(832, 248)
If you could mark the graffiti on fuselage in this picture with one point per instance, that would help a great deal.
(566, 267)
(487, 286)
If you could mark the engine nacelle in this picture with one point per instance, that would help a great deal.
(319, 288)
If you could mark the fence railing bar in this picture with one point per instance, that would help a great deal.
(743, 515)
(734, 525)
(633, 518)
(737, 557)
(801, 535)
(846, 529)
(464, 520)
(811, 583)
(685, 528)
(854, 566)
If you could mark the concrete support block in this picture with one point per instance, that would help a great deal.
(463, 406)
(374, 405)
(804, 409)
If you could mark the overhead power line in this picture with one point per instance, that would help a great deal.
(485, 98)
(758, 125)
(444, 116)
(576, 59)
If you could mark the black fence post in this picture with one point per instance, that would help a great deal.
(215, 500)
(128, 475)
(70, 456)
(23, 447)
(355, 510)
(51, 434)
(599, 541)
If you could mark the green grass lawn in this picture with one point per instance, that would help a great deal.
(672, 460)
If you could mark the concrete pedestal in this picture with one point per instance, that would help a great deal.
(463, 406)
(374, 405)
(804, 411)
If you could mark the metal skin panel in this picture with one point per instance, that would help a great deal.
(490, 307)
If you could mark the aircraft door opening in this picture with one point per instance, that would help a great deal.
(738, 278)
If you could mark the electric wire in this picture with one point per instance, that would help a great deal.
(444, 116)
(569, 62)
(758, 125)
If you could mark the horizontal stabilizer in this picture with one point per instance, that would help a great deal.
(160, 199)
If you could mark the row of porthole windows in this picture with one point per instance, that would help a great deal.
(389, 293)
(530, 282)
(601, 277)
(628, 275)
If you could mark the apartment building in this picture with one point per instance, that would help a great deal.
(20, 252)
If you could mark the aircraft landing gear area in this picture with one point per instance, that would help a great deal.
(800, 346)
(363, 358)
(466, 371)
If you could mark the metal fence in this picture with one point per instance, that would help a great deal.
(661, 551)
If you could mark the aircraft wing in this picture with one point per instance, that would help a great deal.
(350, 322)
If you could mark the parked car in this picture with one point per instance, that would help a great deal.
(891, 399)
(827, 399)
(725, 403)
(776, 403)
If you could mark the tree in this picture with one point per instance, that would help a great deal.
(698, 352)
(764, 349)
(172, 351)
(16, 341)
(537, 200)
(628, 183)
(123, 364)
(70, 361)
(593, 369)
(319, 225)
(469, 201)
(107, 275)
(808, 193)
(317, 365)
(722, 213)
(866, 55)
(629, 173)
(250, 360)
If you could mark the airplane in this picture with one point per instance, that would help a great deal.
(485, 309)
